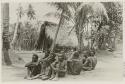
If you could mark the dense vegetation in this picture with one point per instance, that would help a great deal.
(105, 19)
(97, 25)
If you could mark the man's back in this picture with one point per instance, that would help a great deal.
(77, 67)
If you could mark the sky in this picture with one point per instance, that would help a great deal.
(41, 9)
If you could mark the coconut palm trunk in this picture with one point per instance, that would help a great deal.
(55, 38)
(15, 34)
(80, 35)
(80, 41)
(5, 22)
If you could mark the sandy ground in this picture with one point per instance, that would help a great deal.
(109, 68)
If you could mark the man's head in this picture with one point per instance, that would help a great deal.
(61, 57)
(76, 55)
(92, 53)
(34, 58)
(85, 54)
(47, 52)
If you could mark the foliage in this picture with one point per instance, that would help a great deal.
(20, 11)
(27, 36)
(88, 13)
(104, 18)
(30, 12)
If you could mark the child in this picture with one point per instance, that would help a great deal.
(33, 67)
(59, 68)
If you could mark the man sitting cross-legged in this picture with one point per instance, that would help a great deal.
(94, 59)
(44, 63)
(33, 67)
(74, 64)
(84, 56)
(88, 64)
(59, 67)
(45, 66)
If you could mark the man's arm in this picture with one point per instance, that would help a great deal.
(86, 62)
(53, 66)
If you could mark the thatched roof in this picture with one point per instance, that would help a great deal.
(63, 39)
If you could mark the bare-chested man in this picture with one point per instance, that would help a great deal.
(33, 67)
(59, 67)
(90, 62)
(94, 59)
(87, 66)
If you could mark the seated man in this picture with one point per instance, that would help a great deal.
(84, 56)
(59, 68)
(87, 66)
(74, 65)
(33, 67)
(94, 59)
(45, 64)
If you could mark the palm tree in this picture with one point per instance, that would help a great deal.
(88, 13)
(5, 18)
(30, 12)
(20, 14)
(64, 9)
(114, 10)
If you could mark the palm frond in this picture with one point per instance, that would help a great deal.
(93, 9)
(62, 6)
(31, 12)
(57, 15)
(20, 11)
(53, 14)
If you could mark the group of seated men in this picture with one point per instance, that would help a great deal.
(52, 65)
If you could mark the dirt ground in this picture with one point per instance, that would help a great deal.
(109, 68)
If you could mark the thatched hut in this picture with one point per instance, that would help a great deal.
(47, 33)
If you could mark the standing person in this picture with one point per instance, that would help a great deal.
(59, 67)
(33, 67)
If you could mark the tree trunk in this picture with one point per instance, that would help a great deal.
(15, 34)
(55, 38)
(5, 22)
(77, 34)
(80, 42)
(80, 35)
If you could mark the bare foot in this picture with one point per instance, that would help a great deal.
(55, 79)
(25, 77)
(29, 78)
(51, 77)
